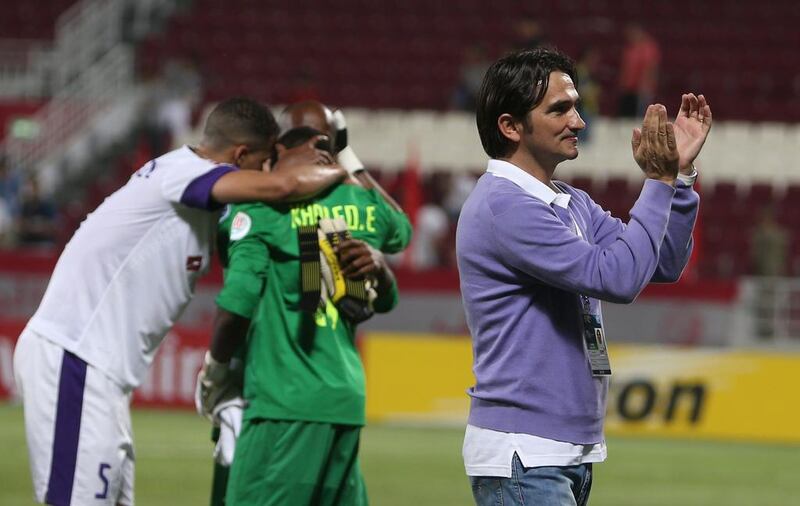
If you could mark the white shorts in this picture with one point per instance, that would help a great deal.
(78, 427)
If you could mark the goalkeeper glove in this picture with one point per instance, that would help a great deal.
(228, 416)
(217, 383)
(353, 298)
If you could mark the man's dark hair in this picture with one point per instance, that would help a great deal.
(515, 84)
(297, 136)
(240, 121)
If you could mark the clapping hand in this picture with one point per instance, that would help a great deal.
(691, 129)
(655, 145)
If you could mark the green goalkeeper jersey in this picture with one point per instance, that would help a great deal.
(299, 365)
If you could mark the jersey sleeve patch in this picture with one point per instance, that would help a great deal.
(240, 226)
(198, 193)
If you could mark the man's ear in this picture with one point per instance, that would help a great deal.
(281, 149)
(509, 127)
(239, 152)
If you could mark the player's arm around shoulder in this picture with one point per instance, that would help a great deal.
(301, 173)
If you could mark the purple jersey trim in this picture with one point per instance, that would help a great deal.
(67, 431)
(198, 193)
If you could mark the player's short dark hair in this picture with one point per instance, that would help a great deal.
(241, 120)
(297, 136)
(514, 85)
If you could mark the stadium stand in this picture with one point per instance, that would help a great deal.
(31, 20)
(393, 58)
(406, 54)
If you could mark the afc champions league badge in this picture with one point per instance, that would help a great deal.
(240, 226)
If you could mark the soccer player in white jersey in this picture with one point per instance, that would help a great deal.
(121, 283)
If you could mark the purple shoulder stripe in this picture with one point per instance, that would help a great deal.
(198, 193)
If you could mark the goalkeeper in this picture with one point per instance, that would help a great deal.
(299, 278)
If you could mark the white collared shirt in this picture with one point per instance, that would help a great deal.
(507, 170)
(489, 452)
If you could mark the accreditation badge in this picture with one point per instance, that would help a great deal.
(595, 340)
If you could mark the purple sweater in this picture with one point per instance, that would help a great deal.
(522, 270)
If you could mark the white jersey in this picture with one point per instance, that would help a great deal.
(129, 271)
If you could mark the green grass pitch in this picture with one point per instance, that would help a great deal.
(422, 466)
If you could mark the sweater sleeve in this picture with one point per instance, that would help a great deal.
(532, 239)
(677, 246)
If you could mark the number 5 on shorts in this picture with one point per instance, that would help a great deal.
(101, 473)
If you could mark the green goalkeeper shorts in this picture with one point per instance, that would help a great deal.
(296, 463)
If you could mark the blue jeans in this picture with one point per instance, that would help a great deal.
(535, 486)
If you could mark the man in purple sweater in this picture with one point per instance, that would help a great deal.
(537, 256)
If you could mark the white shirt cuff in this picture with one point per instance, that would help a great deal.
(688, 180)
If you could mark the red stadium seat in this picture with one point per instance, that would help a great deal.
(417, 44)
